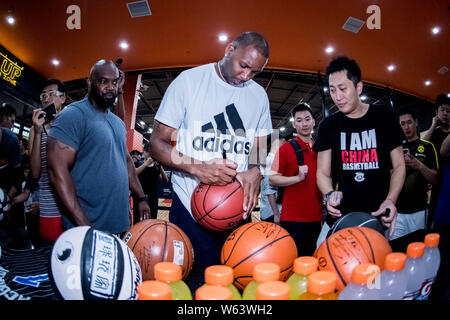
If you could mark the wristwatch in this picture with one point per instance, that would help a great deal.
(325, 197)
(144, 198)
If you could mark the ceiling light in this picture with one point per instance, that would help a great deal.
(150, 130)
(10, 19)
(329, 50)
(291, 119)
(363, 97)
(282, 129)
(55, 62)
(448, 95)
(325, 89)
(427, 83)
(142, 123)
(436, 30)
(223, 37)
(391, 67)
(124, 45)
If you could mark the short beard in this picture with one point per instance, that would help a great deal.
(101, 101)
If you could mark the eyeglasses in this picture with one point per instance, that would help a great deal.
(52, 93)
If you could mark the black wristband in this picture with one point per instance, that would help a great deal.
(144, 198)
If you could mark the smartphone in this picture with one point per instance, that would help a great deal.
(50, 111)
(406, 153)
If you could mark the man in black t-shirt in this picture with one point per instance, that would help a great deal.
(360, 165)
(149, 171)
(421, 170)
(436, 134)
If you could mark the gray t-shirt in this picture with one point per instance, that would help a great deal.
(100, 170)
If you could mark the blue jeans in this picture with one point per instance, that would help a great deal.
(207, 244)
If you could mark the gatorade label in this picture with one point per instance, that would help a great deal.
(178, 252)
(411, 295)
(426, 289)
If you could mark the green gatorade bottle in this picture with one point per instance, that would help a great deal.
(171, 274)
(221, 275)
(262, 272)
(303, 267)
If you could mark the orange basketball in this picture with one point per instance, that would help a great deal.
(257, 242)
(218, 208)
(154, 241)
(347, 248)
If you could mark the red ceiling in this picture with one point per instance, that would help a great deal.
(184, 33)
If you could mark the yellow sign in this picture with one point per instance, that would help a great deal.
(9, 70)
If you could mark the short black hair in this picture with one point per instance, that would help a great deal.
(61, 86)
(254, 39)
(135, 152)
(302, 106)
(442, 99)
(7, 110)
(342, 63)
(408, 110)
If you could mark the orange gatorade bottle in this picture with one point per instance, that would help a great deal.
(273, 290)
(209, 292)
(154, 290)
(171, 274)
(303, 266)
(262, 272)
(221, 275)
(321, 286)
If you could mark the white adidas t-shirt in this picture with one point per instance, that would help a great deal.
(211, 116)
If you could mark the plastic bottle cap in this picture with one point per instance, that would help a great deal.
(363, 272)
(432, 240)
(415, 249)
(395, 261)
(168, 272)
(266, 271)
(321, 282)
(209, 292)
(219, 275)
(154, 290)
(273, 290)
(305, 265)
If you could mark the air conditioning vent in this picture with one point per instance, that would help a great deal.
(139, 9)
(353, 25)
(443, 70)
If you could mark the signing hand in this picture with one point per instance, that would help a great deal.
(217, 171)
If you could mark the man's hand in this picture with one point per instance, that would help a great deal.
(217, 171)
(38, 122)
(33, 207)
(389, 220)
(144, 210)
(121, 80)
(412, 162)
(302, 172)
(250, 181)
(333, 201)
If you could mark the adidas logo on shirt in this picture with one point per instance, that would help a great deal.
(221, 137)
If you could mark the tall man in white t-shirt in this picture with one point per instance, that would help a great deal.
(213, 108)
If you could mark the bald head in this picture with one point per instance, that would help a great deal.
(102, 65)
(103, 84)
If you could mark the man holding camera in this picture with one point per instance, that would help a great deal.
(53, 97)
